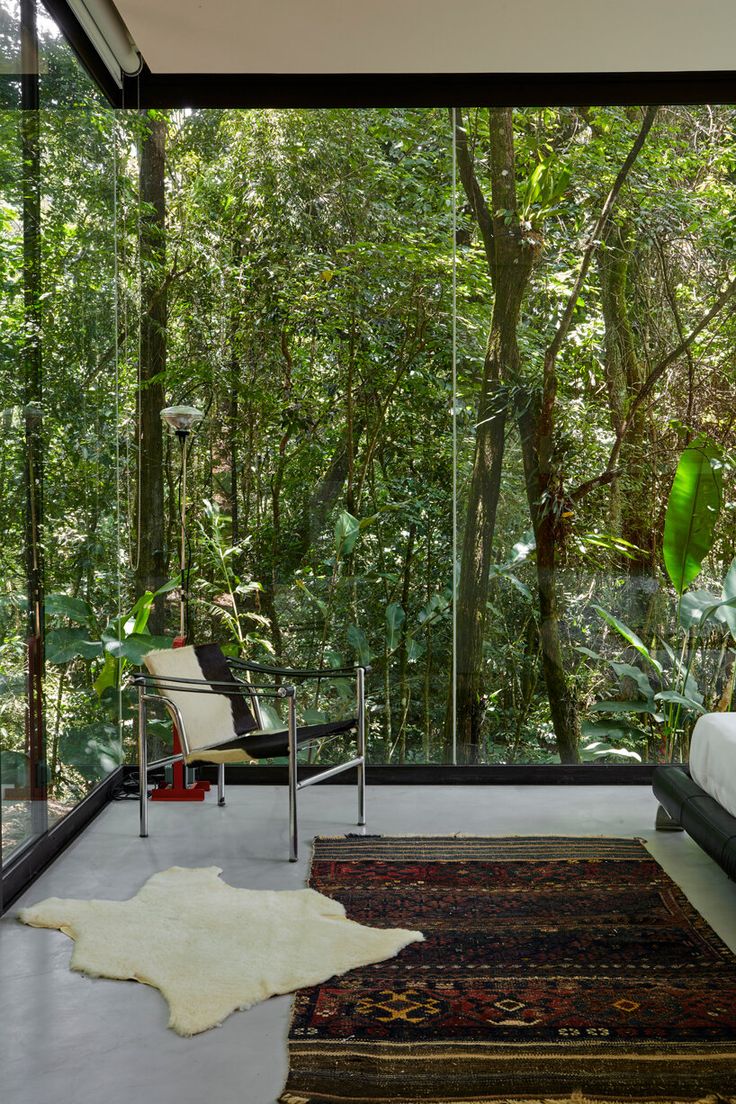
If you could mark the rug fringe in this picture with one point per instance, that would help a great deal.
(576, 1098)
(580, 1098)
(480, 836)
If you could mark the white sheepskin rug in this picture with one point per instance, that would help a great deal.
(211, 948)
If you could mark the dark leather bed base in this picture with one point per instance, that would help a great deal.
(700, 815)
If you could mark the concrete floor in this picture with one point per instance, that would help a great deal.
(68, 1039)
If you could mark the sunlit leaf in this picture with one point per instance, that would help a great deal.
(108, 676)
(728, 594)
(62, 645)
(629, 636)
(63, 605)
(673, 697)
(359, 642)
(347, 531)
(692, 512)
(395, 618)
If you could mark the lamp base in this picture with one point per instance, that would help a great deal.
(172, 793)
(178, 790)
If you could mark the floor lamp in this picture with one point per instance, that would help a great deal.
(181, 420)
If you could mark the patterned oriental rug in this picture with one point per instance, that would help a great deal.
(554, 969)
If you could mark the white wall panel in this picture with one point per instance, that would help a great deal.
(428, 36)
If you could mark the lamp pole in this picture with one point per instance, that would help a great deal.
(180, 421)
(183, 436)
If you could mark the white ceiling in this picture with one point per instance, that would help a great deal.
(433, 36)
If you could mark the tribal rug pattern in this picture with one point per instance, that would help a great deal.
(553, 969)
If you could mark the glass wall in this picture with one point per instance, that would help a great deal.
(466, 378)
(595, 460)
(22, 818)
(80, 351)
(60, 734)
(318, 249)
(360, 435)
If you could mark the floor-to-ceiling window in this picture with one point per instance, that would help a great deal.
(16, 777)
(466, 381)
(595, 388)
(521, 363)
(317, 247)
(58, 371)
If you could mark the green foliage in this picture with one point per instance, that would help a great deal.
(358, 641)
(395, 618)
(545, 188)
(670, 698)
(126, 640)
(93, 750)
(310, 282)
(693, 508)
(224, 607)
(62, 645)
(347, 531)
(630, 637)
(75, 609)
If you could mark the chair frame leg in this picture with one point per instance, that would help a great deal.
(289, 693)
(293, 779)
(360, 693)
(142, 763)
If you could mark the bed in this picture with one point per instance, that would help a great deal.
(701, 798)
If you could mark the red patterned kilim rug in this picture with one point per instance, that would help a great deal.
(553, 969)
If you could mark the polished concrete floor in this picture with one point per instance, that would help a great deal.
(68, 1039)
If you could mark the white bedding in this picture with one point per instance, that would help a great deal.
(713, 757)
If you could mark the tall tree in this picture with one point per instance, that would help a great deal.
(150, 571)
(631, 490)
(514, 243)
(510, 254)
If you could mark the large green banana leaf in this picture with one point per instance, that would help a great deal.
(692, 512)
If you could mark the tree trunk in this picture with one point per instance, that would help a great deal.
(427, 740)
(542, 508)
(327, 492)
(512, 264)
(151, 568)
(404, 690)
(233, 447)
(613, 268)
(631, 490)
(233, 412)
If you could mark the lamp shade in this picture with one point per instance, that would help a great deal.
(181, 419)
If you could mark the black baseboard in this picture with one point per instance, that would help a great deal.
(33, 859)
(439, 774)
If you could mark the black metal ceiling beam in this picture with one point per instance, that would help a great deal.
(172, 90)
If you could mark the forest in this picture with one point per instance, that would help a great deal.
(469, 389)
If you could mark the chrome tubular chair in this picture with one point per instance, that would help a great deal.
(181, 680)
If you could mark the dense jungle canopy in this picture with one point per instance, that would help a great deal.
(515, 373)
